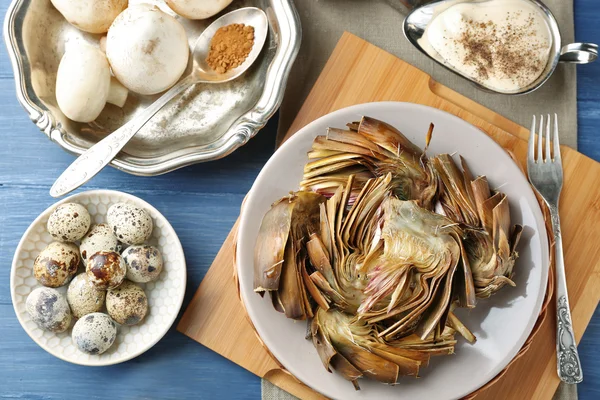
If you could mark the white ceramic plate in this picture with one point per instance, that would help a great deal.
(165, 295)
(501, 323)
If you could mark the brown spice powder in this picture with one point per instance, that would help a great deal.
(230, 47)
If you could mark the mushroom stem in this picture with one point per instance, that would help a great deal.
(102, 44)
(117, 93)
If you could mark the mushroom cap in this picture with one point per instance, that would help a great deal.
(198, 9)
(82, 83)
(147, 49)
(94, 16)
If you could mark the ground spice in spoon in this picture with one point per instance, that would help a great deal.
(230, 47)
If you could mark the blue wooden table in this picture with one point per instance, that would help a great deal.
(202, 202)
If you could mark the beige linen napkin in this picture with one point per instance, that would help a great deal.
(380, 22)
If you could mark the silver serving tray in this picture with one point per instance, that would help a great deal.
(205, 123)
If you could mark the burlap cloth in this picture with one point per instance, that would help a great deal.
(380, 22)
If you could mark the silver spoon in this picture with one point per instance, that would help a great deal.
(87, 165)
(421, 15)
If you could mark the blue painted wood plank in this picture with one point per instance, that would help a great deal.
(202, 202)
(176, 368)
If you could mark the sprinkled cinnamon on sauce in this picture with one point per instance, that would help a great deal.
(504, 45)
(507, 49)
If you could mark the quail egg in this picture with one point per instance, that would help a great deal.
(106, 269)
(84, 297)
(144, 263)
(130, 224)
(69, 222)
(56, 264)
(99, 238)
(94, 333)
(48, 309)
(127, 304)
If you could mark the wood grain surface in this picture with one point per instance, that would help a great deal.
(202, 203)
(358, 72)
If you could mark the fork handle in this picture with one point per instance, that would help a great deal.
(568, 364)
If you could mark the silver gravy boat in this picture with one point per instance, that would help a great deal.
(423, 11)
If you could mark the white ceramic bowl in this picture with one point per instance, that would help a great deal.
(501, 323)
(165, 295)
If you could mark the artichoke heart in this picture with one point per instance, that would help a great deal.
(412, 285)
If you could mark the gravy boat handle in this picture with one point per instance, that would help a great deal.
(579, 53)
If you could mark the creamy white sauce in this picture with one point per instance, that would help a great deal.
(502, 44)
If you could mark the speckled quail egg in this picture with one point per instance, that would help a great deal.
(84, 297)
(106, 269)
(130, 224)
(48, 308)
(99, 238)
(69, 222)
(94, 333)
(56, 264)
(127, 304)
(144, 263)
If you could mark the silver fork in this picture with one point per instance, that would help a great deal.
(546, 175)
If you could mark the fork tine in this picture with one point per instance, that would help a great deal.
(548, 157)
(531, 155)
(540, 149)
(555, 140)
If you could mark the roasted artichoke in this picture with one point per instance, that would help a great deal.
(361, 252)
(370, 148)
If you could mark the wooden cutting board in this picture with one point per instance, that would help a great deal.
(358, 72)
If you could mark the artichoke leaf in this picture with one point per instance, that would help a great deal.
(270, 245)
(388, 137)
(464, 287)
(340, 301)
(459, 327)
(291, 291)
(457, 196)
(319, 259)
(321, 299)
(366, 146)
(438, 309)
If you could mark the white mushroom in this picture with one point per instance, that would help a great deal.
(198, 9)
(84, 84)
(94, 16)
(147, 49)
